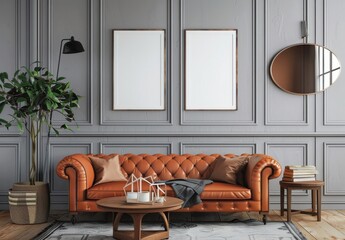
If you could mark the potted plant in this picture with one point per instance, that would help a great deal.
(32, 96)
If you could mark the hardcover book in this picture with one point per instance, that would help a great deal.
(298, 179)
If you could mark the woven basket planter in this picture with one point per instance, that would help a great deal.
(29, 204)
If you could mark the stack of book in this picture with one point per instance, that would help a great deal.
(299, 173)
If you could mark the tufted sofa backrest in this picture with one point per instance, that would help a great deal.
(167, 167)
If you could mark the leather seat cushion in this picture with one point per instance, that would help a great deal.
(213, 191)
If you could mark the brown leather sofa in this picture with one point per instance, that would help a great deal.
(216, 197)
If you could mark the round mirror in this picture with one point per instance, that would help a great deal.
(305, 69)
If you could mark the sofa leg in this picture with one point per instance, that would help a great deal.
(74, 219)
(264, 219)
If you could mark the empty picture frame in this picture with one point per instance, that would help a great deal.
(139, 69)
(210, 69)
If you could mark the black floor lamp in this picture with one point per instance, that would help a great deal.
(70, 47)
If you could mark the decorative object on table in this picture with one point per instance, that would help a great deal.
(210, 69)
(134, 190)
(160, 192)
(139, 60)
(33, 95)
(299, 173)
(250, 229)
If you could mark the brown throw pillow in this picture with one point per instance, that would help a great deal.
(226, 169)
(107, 170)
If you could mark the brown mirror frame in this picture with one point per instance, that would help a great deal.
(305, 69)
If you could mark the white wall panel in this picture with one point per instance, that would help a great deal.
(10, 157)
(334, 164)
(58, 151)
(73, 18)
(192, 16)
(121, 14)
(282, 28)
(221, 148)
(136, 148)
(290, 152)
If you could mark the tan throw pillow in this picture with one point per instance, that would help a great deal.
(226, 169)
(107, 170)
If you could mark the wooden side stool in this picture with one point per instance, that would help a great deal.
(314, 186)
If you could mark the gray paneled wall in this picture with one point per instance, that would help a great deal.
(294, 129)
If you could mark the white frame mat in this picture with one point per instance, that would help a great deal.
(139, 69)
(210, 69)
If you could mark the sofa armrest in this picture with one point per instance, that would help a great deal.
(260, 169)
(76, 168)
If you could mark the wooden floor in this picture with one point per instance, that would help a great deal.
(332, 225)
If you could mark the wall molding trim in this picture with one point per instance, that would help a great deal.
(184, 145)
(326, 120)
(89, 49)
(305, 160)
(169, 75)
(18, 164)
(268, 121)
(253, 121)
(167, 145)
(52, 165)
(326, 169)
(203, 134)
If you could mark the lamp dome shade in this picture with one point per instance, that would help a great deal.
(72, 46)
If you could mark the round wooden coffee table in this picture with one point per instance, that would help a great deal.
(137, 212)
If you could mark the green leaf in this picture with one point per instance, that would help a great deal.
(74, 105)
(52, 96)
(21, 99)
(16, 83)
(64, 126)
(48, 104)
(8, 85)
(2, 121)
(37, 69)
(29, 93)
(56, 131)
(16, 73)
(20, 126)
(2, 105)
(3, 76)
(67, 86)
(23, 78)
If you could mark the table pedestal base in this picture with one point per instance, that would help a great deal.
(137, 234)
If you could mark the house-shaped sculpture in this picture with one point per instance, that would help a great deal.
(135, 193)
